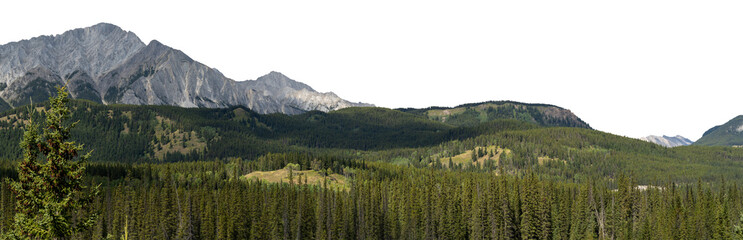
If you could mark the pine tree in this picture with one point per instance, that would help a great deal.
(49, 189)
(477, 215)
(626, 202)
(738, 229)
(530, 219)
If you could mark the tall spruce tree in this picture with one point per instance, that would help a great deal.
(49, 189)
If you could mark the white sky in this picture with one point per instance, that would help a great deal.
(630, 67)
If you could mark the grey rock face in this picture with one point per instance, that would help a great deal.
(94, 50)
(37, 85)
(106, 64)
(296, 97)
(668, 141)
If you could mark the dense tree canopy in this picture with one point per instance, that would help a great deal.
(174, 173)
(49, 189)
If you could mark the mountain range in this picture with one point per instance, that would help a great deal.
(108, 65)
(668, 141)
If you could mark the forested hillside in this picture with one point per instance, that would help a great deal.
(127, 133)
(210, 200)
(153, 134)
(375, 173)
(728, 134)
(476, 113)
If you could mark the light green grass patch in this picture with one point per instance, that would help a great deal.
(466, 157)
(311, 177)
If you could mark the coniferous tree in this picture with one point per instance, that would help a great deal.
(738, 229)
(49, 189)
(530, 219)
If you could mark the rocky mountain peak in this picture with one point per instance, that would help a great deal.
(277, 80)
(107, 64)
(94, 50)
(668, 141)
(102, 29)
(157, 44)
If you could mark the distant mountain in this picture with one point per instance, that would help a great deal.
(668, 141)
(476, 113)
(728, 134)
(106, 64)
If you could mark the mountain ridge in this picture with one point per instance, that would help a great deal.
(106, 64)
(728, 134)
(668, 141)
(472, 114)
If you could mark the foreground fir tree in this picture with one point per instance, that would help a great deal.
(49, 189)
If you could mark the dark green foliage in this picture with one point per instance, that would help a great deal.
(579, 154)
(728, 134)
(85, 91)
(128, 133)
(113, 94)
(79, 85)
(38, 90)
(358, 128)
(50, 196)
(477, 113)
(142, 71)
(711, 130)
(4, 106)
(554, 182)
(201, 200)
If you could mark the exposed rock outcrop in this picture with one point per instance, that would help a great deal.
(106, 64)
(668, 141)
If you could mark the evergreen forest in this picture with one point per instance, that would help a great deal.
(165, 172)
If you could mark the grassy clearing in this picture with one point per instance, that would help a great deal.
(400, 161)
(311, 177)
(446, 112)
(466, 157)
(172, 141)
(442, 115)
(18, 121)
(544, 159)
(126, 129)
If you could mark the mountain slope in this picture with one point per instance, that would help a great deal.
(296, 97)
(94, 50)
(728, 134)
(4, 105)
(106, 64)
(667, 141)
(131, 133)
(476, 113)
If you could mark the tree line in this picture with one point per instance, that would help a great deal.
(210, 200)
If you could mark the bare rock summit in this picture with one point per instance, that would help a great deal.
(106, 64)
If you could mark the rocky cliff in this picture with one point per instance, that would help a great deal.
(668, 141)
(106, 64)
